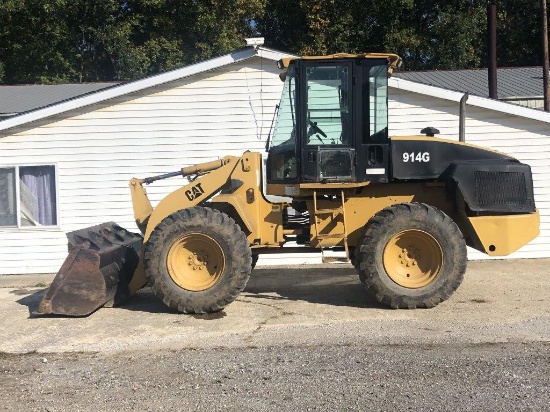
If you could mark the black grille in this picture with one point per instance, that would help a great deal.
(500, 188)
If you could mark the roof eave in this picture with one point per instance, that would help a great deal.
(134, 86)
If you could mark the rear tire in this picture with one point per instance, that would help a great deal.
(411, 255)
(197, 260)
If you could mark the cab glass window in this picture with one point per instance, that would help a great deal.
(282, 154)
(378, 104)
(328, 104)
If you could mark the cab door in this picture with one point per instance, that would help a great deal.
(327, 148)
(373, 140)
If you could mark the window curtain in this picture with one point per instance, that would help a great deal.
(37, 192)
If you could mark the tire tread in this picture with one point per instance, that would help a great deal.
(236, 273)
(392, 219)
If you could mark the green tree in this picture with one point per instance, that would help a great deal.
(428, 34)
(309, 27)
(49, 41)
(32, 41)
(519, 34)
(434, 34)
(100, 47)
(192, 30)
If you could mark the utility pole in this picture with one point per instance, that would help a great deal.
(545, 64)
(492, 47)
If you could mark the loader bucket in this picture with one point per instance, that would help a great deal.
(100, 265)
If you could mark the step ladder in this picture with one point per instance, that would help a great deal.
(338, 213)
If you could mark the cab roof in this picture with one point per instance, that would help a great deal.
(393, 59)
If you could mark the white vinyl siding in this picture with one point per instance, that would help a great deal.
(99, 149)
(27, 252)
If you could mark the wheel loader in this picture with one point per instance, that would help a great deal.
(401, 209)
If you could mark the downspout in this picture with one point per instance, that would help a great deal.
(462, 118)
(545, 63)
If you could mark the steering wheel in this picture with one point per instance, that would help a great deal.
(315, 129)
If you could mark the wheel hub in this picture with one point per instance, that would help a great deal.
(413, 258)
(198, 260)
(195, 262)
(409, 256)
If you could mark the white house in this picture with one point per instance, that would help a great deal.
(80, 154)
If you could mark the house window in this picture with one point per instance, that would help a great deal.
(28, 196)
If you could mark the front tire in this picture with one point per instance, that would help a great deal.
(411, 255)
(197, 260)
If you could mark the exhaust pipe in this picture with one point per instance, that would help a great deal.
(462, 119)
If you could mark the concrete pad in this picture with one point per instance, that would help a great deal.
(26, 281)
(499, 301)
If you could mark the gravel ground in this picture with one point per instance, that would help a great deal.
(484, 377)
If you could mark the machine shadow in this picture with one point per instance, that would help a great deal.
(328, 285)
(31, 298)
(143, 301)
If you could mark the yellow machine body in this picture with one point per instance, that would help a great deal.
(402, 209)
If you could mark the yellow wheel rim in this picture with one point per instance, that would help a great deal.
(196, 262)
(413, 258)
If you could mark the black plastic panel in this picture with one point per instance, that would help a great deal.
(495, 186)
(427, 158)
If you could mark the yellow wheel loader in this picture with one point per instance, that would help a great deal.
(401, 209)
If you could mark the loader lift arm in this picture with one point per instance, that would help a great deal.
(218, 172)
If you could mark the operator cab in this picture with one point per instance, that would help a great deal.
(332, 122)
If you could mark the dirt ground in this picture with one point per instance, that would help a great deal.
(498, 301)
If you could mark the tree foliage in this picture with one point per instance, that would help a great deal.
(519, 35)
(428, 34)
(52, 41)
(55, 41)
